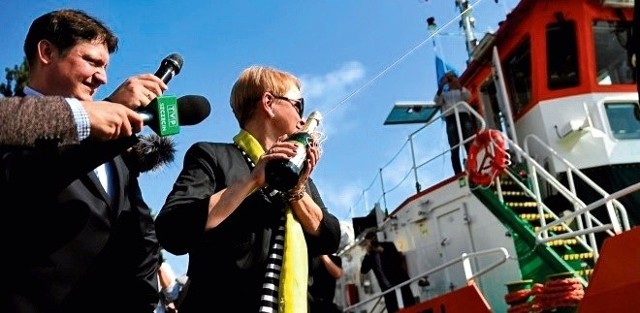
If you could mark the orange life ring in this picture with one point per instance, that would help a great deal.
(489, 148)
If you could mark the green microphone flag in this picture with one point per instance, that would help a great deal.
(165, 121)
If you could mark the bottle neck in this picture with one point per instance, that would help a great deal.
(301, 137)
(310, 125)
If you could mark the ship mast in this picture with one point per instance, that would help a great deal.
(467, 22)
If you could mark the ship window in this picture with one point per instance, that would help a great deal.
(517, 70)
(613, 51)
(562, 56)
(624, 120)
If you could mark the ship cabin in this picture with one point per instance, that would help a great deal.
(565, 79)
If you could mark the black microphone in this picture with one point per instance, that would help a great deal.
(161, 113)
(166, 120)
(169, 67)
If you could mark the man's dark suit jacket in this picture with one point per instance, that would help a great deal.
(391, 264)
(68, 246)
(227, 262)
(393, 267)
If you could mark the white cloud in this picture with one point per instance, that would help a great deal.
(340, 197)
(328, 94)
(333, 85)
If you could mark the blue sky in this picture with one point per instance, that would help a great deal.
(356, 59)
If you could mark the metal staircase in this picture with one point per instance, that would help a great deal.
(567, 253)
(549, 240)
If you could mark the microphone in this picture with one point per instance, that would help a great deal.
(165, 114)
(168, 123)
(169, 67)
(150, 153)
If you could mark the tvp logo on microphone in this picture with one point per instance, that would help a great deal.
(168, 119)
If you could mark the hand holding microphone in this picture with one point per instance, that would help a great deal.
(166, 114)
(143, 93)
(110, 120)
(163, 114)
(139, 91)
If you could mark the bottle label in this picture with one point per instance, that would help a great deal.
(301, 155)
(302, 138)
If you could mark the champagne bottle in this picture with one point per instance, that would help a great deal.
(282, 174)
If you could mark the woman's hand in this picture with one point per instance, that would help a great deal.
(281, 149)
(313, 156)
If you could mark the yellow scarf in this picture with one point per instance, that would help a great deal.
(292, 291)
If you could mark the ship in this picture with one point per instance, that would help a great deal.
(543, 219)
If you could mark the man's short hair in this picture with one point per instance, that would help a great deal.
(66, 28)
(451, 74)
(371, 235)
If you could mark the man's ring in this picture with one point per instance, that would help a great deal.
(149, 96)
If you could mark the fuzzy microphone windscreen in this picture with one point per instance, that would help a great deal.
(151, 153)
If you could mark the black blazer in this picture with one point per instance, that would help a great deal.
(228, 261)
(68, 245)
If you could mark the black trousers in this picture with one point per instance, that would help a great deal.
(391, 302)
(467, 128)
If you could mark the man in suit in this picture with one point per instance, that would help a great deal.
(79, 235)
(389, 268)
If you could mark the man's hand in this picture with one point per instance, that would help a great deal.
(111, 120)
(138, 91)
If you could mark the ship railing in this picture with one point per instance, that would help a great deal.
(587, 224)
(465, 259)
(542, 208)
(461, 106)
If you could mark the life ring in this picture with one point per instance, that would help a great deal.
(489, 148)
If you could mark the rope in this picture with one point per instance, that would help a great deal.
(523, 301)
(558, 293)
(554, 294)
(404, 56)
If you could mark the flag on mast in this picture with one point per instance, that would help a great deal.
(441, 66)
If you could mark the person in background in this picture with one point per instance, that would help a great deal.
(170, 288)
(446, 99)
(82, 238)
(635, 47)
(389, 268)
(324, 271)
(222, 213)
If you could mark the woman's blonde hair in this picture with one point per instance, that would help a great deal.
(251, 85)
